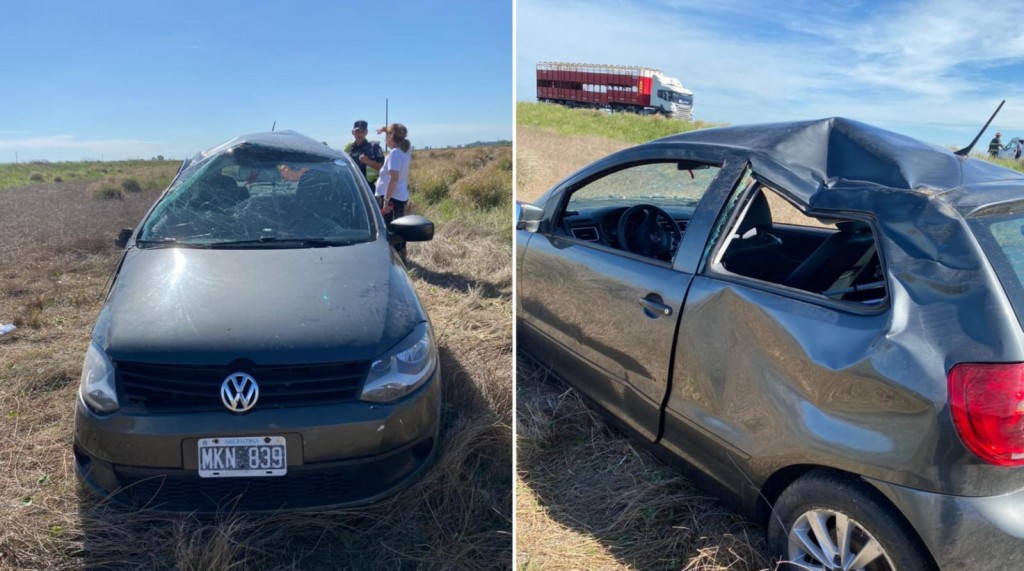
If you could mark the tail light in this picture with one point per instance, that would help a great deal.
(987, 404)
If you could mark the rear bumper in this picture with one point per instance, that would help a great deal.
(338, 455)
(964, 532)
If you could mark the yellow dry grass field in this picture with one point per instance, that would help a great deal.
(544, 157)
(56, 244)
(588, 496)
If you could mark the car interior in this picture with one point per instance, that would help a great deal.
(645, 209)
(838, 260)
(835, 258)
(642, 209)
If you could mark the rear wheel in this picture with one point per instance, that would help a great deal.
(830, 522)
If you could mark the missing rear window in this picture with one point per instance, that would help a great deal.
(834, 257)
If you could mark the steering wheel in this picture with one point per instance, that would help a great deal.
(640, 232)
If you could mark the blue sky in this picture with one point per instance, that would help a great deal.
(931, 69)
(115, 80)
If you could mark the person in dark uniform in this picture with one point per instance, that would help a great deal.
(995, 145)
(365, 153)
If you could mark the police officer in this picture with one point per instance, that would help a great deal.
(365, 153)
(995, 146)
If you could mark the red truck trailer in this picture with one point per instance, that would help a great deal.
(617, 87)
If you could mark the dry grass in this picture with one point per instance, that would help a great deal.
(477, 177)
(544, 157)
(589, 497)
(150, 174)
(57, 245)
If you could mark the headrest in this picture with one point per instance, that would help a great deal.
(219, 191)
(759, 215)
(314, 184)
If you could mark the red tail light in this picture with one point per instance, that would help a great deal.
(987, 403)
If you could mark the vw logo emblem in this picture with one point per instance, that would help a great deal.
(239, 392)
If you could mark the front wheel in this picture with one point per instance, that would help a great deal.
(831, 522)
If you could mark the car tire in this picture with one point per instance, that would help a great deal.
(824, 500)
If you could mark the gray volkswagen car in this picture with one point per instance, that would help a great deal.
(261, 347)
(819, 320)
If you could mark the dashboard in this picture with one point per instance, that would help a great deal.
(600, 224)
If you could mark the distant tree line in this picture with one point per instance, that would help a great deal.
(499, 142)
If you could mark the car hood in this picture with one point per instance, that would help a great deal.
(268, 306)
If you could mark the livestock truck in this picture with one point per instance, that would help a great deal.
(617, 87)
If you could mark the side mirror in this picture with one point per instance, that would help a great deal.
(528, 217)
(122, 237)
(413, 228)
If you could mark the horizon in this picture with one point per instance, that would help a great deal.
(496, 142)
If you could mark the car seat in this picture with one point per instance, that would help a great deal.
(218, 192)
(755, 248)
(837, 261)
(319, 202)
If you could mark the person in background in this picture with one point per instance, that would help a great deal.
(393, 184)
(364, 153)
(995, 145)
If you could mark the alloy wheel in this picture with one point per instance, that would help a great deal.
(827, 540)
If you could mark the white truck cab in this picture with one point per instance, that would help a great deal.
(670, 97)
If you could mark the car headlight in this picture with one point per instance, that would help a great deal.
(97, 387)
(404, 368)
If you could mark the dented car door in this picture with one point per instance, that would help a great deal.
(603, 317)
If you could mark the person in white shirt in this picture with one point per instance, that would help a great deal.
(393, 183)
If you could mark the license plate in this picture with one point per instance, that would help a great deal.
(242, 456)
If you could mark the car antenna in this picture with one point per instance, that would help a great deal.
(966, 150)
(272, 126)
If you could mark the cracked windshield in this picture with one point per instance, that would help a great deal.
(250, 197)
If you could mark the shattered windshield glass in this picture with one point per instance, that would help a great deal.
(665, 184)
(260, 196)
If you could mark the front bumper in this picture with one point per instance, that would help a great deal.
(337, 455)
(964, 532)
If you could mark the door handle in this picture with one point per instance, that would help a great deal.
(655, 307)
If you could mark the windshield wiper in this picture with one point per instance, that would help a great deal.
(166, 243)
(275, 242)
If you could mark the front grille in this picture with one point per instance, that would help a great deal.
(312, 485)
(144, 386)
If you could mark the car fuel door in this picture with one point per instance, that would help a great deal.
(595, 305)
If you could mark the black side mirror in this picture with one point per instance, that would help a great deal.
(122, 237)
(413, 228)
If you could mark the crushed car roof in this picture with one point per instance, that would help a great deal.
(806, 159)
(287, 141)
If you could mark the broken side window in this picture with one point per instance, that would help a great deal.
(772, 241)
